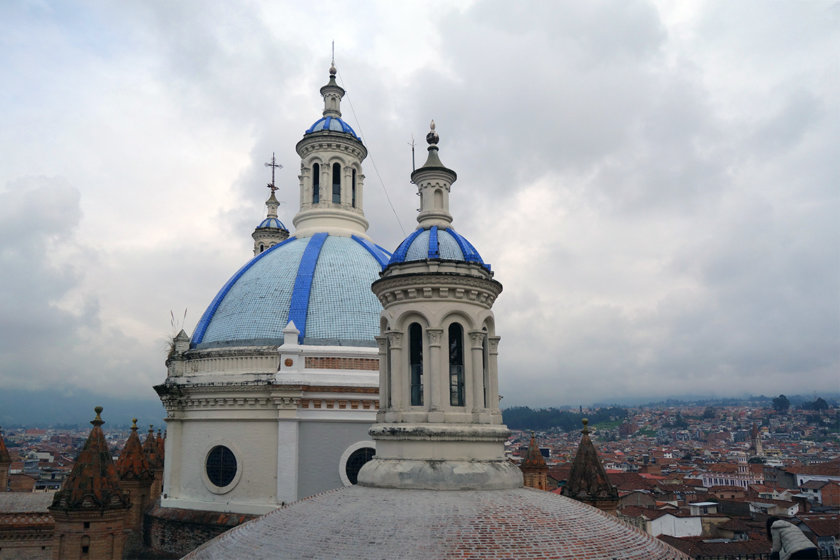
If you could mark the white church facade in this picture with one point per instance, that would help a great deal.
(271, 399)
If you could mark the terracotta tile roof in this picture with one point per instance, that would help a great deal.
(132, 464)
(823, 525)
(697, 547)
(93, 484)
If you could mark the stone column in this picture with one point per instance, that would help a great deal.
(493, 373)
(436, 382)
(477, 369)
(397, 377)
(384, 385)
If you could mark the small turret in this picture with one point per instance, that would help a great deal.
(588, 481)
(136, 478)
(5, 464)
(271, 230)
(534, 470)
(90, 509)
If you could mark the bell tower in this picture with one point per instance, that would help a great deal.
(439, 424)
(331, 178)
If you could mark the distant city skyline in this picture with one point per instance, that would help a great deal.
(654, 183)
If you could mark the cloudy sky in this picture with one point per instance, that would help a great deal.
(655, 184)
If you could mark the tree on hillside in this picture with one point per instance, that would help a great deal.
(818, 404)
(781, 404)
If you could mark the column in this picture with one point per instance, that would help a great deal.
(287, 460)
(477, 369)
(384, 385)
(436, 382)
(397, 377)
(493, 373)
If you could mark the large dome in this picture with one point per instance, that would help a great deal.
(321, 283)
(360, 522)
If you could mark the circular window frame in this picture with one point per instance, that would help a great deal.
(342, 463)
(236, 477)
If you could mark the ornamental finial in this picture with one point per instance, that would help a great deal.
(98, 420)
(432, 137)
(585, 429)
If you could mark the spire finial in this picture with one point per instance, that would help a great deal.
(134, 424)
(273, 165)
(585, 430)
(98, 420)
(332, 61)
(432, 137)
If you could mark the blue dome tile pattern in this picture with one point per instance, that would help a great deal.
(322, 283)
(333, 124)
(434, 243)
(271, 223)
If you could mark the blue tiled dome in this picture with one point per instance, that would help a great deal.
(271, 223)
(433, 243)
(322, 283)
(334, 124)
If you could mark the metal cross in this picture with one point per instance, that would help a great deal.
(273, 165)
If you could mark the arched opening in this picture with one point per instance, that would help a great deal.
(456, 365)
(316, 183)
(353, 187)
(438, 199)
(336, 183)
(415, 358)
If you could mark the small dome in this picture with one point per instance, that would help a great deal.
(322, 283)
(434, 243)
(332, 124)
(271, 223)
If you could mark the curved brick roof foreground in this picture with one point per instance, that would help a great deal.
(359, 522)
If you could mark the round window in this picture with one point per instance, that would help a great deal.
(355, 462)
(221, 466)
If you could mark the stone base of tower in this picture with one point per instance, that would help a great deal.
(440, 457)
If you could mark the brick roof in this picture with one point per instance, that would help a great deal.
(93, 483)
(359, 522)
(132, 464)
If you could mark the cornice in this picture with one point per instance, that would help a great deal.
(436, 287)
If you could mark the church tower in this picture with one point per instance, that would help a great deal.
(534, 470)
(136, 478)
(151, 449)
(439, 424)
(90, 509)
(331, 179)
(588, 481)
(271, 230)
(5, 464)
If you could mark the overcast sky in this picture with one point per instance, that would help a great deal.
(655, 184)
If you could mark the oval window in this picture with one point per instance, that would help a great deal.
(355, 462)
(221, 466)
